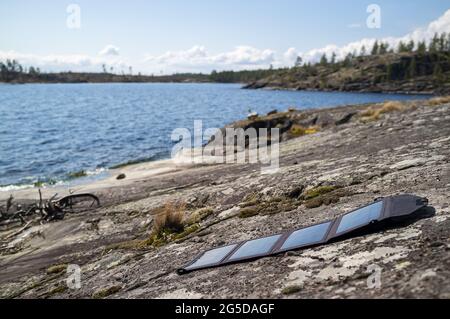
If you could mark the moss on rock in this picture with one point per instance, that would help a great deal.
(106, 292)
(290, 290)
(56, 269)
(318, 191)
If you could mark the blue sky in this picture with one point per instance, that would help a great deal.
(148, 34)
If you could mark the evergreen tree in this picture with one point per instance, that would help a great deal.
(410, 46)
(422, 48)
(298, 61)
(433, 47)
(383, 48)
(333, 58)
(32, 71)
(402, 47)
(3, 72)
(323, 60)
(448, 43)
(348, 60)
(443, 42)
(375, 48)
(363, 51)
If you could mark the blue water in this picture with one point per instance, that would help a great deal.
(50, 130)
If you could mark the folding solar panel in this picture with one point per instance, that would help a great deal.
(384, 209)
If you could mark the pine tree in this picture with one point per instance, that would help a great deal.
(348, 60)
(333, 58)
(402, 47)
(375, 48)
(323, 60)
(410, 46)
(4, 71)
(422, 48)
(442, 42)
(384, 47)
(433, 47)
(363, 51)
(448, 43)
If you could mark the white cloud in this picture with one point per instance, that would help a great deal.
(199, 59)
(109, 50)
(291, 55)
(245, 56)
(73, 62)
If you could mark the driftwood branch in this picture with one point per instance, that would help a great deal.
(51, 209)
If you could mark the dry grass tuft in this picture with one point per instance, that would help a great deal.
(439, 100)
(169, 225)
(298, 130)
(373, 113)
(170, 218)
(392, 106)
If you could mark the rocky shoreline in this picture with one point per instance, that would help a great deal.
(262, 85)
(332, 161)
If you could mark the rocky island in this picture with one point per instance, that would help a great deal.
(410, 68)
(158, 216)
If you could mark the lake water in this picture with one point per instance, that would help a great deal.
(50, 130)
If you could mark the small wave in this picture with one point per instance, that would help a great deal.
(96, 171)
(17, 187)
(10, 188)
(155, 157)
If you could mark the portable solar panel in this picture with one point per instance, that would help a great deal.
(384, 209)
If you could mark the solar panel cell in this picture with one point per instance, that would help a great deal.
(306, 236)
(211, 257)
(360, 217)
(255, 248)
